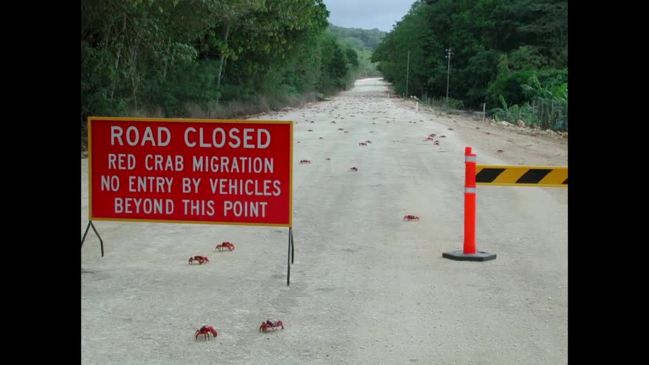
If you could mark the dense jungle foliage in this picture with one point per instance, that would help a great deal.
(364, 42)
(510, 54)
(208, 58)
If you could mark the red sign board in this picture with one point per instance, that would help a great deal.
(190, 170)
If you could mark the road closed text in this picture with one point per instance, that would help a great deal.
(248, 138)
(203, 171)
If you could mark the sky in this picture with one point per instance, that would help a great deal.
(367, 14)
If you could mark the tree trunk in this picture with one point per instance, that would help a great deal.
(218, 79)
(114, 78)
(133, 75)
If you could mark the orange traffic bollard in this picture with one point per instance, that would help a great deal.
(469, 253)
(469, 202)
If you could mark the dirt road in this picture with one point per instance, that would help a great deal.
(366, 287)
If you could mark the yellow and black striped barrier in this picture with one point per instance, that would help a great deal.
(542, 176)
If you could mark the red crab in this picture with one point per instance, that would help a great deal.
(305, 161)
(410, 217)
(225, 246)
(205, 331)
(354, 168)
(201, 259)
(270, 326)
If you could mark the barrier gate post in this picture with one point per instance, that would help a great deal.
(469, 252)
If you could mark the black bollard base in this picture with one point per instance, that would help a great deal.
(461, 256)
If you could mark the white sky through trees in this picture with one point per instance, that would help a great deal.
(367, 14)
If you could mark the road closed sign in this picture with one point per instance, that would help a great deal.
(190, 170)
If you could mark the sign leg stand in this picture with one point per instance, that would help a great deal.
(291, 255)
(101, 242)
(290, 234)
(290, 246)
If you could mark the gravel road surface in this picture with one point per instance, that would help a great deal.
(366, 287)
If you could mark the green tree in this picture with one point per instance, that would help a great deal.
(149, 56)
(498, 45)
